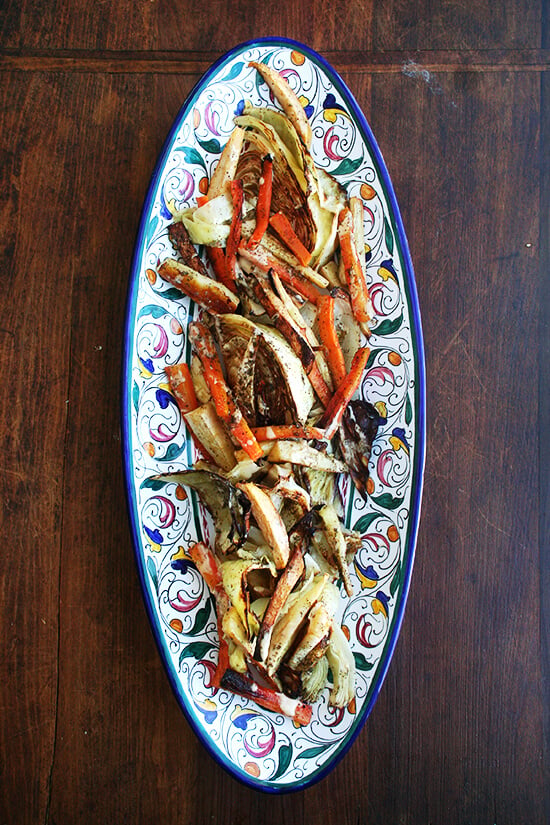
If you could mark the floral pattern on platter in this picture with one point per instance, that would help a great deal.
(264, 748)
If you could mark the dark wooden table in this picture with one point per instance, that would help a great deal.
(458, 97)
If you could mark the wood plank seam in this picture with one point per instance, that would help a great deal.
(166, 62)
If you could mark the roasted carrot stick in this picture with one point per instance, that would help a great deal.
(243, 685)
(276, 431)
(265, 261)
(319, 384)
(355, 277)
(343, 395)
(263, 204)
(181, 384)
(225, 404)
(329, 339)
(234, 239)
(205, 291)
(284, 230)
(205, 562)
(216, 256)
(183, 390)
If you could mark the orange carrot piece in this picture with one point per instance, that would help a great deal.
(204, 560)
(276, 431)
(225, 404)
(265, 261)
(181, 385)
(202, 199)
(243, 685)
(319, 384)
(183, 390)
(218, 261)
(284, 230)
(335, 410)
(202, 289)
(207, 565)
(355, 277)
(200, 337)
(234, 239)
(329, 339)
(263, 204)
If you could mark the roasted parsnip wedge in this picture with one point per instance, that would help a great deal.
(299, 452)
(288, 625)
(269, 521)
(288, 100)
(210, 294)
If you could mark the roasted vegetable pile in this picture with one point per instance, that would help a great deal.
(271, 400)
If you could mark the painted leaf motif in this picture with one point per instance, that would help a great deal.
(212, 146)
(361, 662)
(388, 327)
(348, 166)
(233, 72)
(152, 310)
(362, 524)
(172, 293)
(408, 411)
(201, 618)
(196, 650)
(152, 570)
(396, 581)
(387, 501)
(173, 452)
(151, 484)
(191, 155)
(311, 753)
(372, 357)
(388, 234)
(151, 228)
(285, 755)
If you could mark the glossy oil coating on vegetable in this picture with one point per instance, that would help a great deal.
(271, 399)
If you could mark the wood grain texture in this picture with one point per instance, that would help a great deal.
(165, 24)
(476, 265)
(89, 729)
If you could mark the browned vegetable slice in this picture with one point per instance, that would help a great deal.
(315, 640)
(270, 699)
(213, 296)
(298, 452)
(287, 581)
(337, 542)
(275, 390)
(229, 508)
(286, 628)
(354, 274)
(269, 521)
(224, 172)
(211, 434)
(179, 237)
(288, 99)
(356, 435)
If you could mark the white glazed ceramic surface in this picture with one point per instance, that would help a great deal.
(262, 748)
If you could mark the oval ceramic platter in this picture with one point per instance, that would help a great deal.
(264, 749)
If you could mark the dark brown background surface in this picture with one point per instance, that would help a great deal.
(89, 729)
